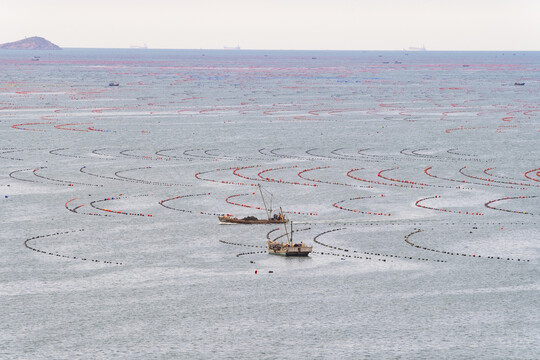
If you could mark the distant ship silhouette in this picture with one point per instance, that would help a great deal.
(143, 46)
(414, 48)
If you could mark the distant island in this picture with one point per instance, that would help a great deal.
(32, 43)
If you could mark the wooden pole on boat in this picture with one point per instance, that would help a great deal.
(285, 226)
(268, 214)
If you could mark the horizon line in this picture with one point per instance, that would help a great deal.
(262, 49)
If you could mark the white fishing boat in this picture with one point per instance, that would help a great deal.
(290, 248)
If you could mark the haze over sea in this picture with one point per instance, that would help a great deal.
(415, 176)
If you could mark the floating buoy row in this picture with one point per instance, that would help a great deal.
(251, 253)
(274, 153)
(426, 171)
(405, 223)
(60, 255)
(61, 182)
(462, 172)
(378, 157)
(533, 171)
(238, 244)
(408, 182)
(56, 152)
(63, 127)
(228, 157)
(284, 235)
(349, 174)
(415, 154)
(22, 126)
(304, 118)
(260, 174)
(326, 245)
(74, 210)
(454, 152)
(228, 201)
(416, 231)
(320, 181)
(448, 131)
(346, 256)
(145, 157)
(237, 169)
(172, 157)
(103, 156)
(359, 211)
(446, 113)
(188, 153)
(270, 232)
(99, 130)
(488, 204)
(199, 177)
(162, 203)
(117, 174)
(417, 203)
(126, 179)
(86, 172)
(309, 152)
(10, 151)
(348, 157)
(487, 172)
(230, 109)
(99, 111)
(315, 239)
(118, 197)
(500, 128)
(12, 175)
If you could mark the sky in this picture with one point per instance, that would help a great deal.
(277, 24)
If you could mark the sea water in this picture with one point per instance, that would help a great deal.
(414, 176)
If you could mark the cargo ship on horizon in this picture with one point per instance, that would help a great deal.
(415, 48)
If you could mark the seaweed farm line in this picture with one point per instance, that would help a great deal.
(414, 177)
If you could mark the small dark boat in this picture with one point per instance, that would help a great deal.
(275, 219)
(112, 83)
(227, 219)
(519, 84)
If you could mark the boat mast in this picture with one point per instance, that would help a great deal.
(268, 212)
(285, 226)
(291, 231)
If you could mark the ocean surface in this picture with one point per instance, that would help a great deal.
(415, 177)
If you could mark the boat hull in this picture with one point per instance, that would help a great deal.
(229, 220)
(276, 248)
(290, 253)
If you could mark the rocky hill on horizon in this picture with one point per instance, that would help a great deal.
(31, 43)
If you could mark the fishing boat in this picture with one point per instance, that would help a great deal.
(289, 248)
(275, 219)
(228, 219)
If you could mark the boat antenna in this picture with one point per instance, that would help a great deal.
(268, 212)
